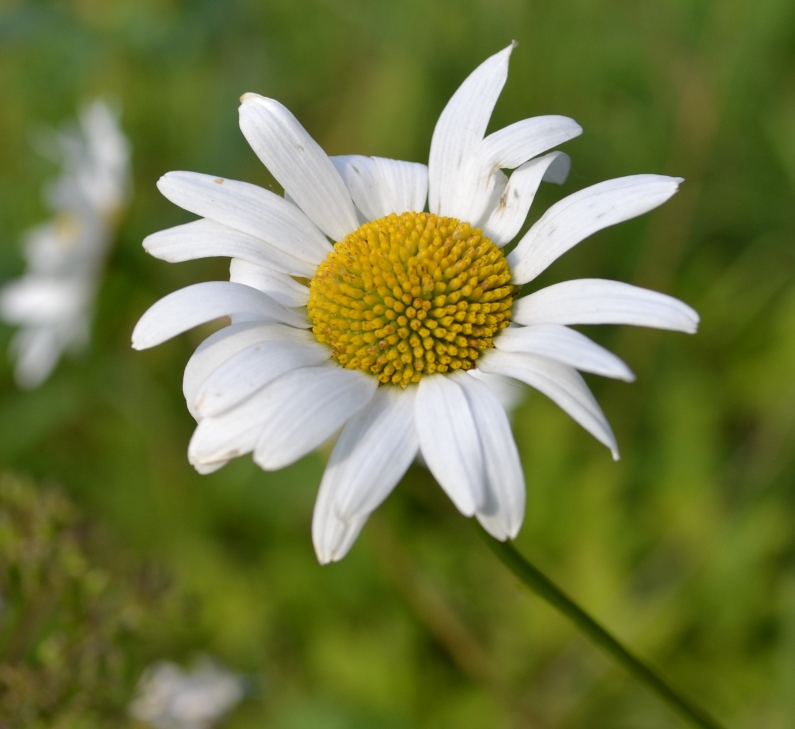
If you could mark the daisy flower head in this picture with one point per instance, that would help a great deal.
(355, 310)
(52, 302)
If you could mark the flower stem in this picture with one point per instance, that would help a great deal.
(546, 589)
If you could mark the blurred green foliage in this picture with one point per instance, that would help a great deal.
(78, 618)
(685, 548)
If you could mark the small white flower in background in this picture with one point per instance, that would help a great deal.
(52, 302)
(411, 322)
(169, 698)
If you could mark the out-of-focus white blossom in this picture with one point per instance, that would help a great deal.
(52, 302)
(168, 697)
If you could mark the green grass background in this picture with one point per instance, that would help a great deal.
(685, 548)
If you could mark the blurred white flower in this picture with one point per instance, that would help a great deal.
(52, 302)
(354, 311)
(169, 698)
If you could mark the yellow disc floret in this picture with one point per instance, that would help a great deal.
(411, 294)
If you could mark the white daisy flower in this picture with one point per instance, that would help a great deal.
(399, 335)
(169, 698)
(52, 302)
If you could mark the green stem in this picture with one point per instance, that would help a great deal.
(546, 589)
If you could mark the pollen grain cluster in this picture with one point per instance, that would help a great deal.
(411, 294)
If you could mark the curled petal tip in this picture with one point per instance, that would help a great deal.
(501, 532)
(137, 341)
(325, 557)
(694, 322)
(249, 96)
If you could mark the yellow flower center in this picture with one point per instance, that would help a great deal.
(411, 294)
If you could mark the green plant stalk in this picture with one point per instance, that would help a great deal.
(547, 590)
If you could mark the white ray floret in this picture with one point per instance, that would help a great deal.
(203, 302)
(516, 193)
(305, 408)
(381, 186)
(578, 216)
(560, 383)
(506, 149)
(566, 346)
(299, 164)
(251, 369)
(272, 384)
(279, 286)
(449, 441)
(462, 126)
(598, 301)
(504, 494)
(224, 344)
(205, 238)
(249, 209)
(372, 453)
(229, 435)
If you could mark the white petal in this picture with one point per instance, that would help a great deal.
(461, 127)
(517, 143)
(371, 455)
(37, 351)
(205, 469)
(249, 209)
(561, 384)
(406, 182)
(47, 246)
(504, 219)
(206, 238)
(251, 369)
(506, 149)
(382, 186)
(227, 436)
(227, 342)
(373, 451)
(507, 390)
(496, 201)
(449, 441)
(332, 536)
(577, 216)
(502, 512)
(297, 161)
(599, 301)
(203, 302)
(563, 345)
(279, 286)
(43, 300)
(305, 408)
